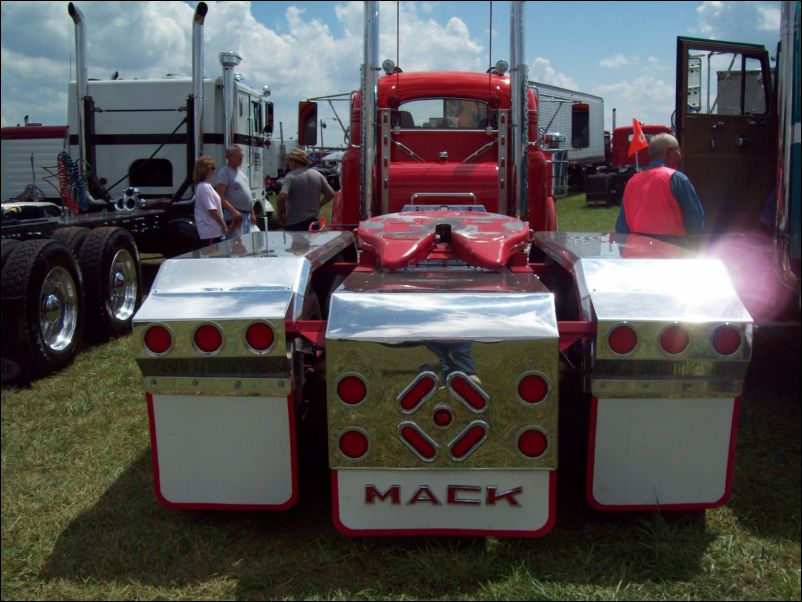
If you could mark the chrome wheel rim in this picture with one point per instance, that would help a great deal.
(122, 285)
(58, 309)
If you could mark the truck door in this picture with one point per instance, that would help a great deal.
(255, 138)
(726, 124)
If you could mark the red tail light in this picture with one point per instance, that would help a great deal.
(419, 442)
(674, 339)
(260, 337)
(353, 444)
(726, 340)
(442, 417)
(468, 391)
(418, 391)
(532, 443)
(622, 339)
(468, 441)
(533, 388)
(208, 338)
(352, 389)
(158, 339)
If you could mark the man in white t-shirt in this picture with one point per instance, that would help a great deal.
(232, 185)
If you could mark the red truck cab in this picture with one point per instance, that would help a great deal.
(444, 139)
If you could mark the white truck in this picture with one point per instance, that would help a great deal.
(121, 177)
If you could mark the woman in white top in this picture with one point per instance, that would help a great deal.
(208, 207)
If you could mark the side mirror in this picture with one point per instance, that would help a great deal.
(307, 123)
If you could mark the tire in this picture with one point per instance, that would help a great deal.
(72, 238)
(8, 246)
(42, 293)
(180, 236)
(112, 276)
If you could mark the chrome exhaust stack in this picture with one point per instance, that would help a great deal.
(81, 77)
(370, 68)
(228, 60)
(519, 78)
(197, 77)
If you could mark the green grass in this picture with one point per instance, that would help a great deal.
(573, 215)
(80, 520)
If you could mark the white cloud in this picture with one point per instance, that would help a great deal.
(298, 56)
(619, 60)
(752, 22)
(541, 71)
(647, 98)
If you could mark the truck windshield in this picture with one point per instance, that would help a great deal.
(445, 113)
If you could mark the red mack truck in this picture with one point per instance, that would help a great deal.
(448, 334)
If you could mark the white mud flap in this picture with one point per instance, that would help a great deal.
(513, 503)
(671, 454)
(227, 453)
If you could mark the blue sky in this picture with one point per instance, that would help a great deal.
(621, 51)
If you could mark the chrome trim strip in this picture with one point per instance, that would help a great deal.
(233, 387)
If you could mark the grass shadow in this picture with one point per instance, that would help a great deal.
(127, 537)
(767, 483)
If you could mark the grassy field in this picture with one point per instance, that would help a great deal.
(80, 520)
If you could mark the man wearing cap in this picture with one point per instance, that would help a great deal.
(232, 185)
(303, 192)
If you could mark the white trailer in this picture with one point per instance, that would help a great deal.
(29, 160)
(580, 118)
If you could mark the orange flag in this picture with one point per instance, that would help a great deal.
(638, 139)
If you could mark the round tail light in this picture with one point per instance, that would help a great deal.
(260, 337)
(442, 417)
(674, 340)
(532, 443)
(352, 389)
(208, 338)
(726, 340)
(533, 388)
(158, 339)
(353, 444)
(622, 339)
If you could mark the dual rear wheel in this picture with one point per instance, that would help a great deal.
(56, 292)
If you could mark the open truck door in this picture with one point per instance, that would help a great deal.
(726, 122)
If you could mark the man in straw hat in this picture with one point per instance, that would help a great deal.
(303, 193)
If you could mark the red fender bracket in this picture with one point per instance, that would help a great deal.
(312, 331)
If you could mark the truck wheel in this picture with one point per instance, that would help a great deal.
(112, 281)
(42, 288)
(72, 238)
(7, 246)
(180, 236)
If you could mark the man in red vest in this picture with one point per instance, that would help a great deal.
(661, 200)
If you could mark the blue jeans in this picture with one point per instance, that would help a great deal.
(245, 226)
